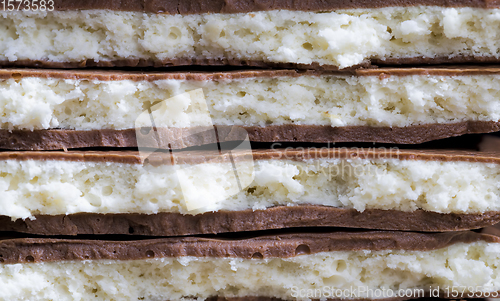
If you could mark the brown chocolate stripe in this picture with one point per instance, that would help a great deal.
(57, 139)
(175, 62)
(176, 224)
(299, 154)
(200, 61)
(23, 250)
(116, 75)
(457, 59)
(242, 6)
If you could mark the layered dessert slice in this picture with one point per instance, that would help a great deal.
(68, 193)
(321, 34)
(340, 265)
(49, 109)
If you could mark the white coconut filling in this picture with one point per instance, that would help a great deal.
(460, 267)
(342, 38)
(39, 103)
(33, 187)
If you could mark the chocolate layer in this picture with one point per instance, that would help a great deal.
(242, 6)
(173, 62)
(115, 75)
(201, 61)
(182, 138)
(299, 154)
(176, 224)
(23, 250)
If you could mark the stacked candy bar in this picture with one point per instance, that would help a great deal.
(249, 149)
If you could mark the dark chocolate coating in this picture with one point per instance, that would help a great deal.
(22, 250)
(174, 138)
(176, 224)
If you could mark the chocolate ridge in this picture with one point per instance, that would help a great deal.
(299, 154)
(280, 217)
(243, 6)
(23, 250)
(175, 138)
(116, 75)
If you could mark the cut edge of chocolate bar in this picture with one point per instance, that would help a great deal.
(26, 250)
(178, 138)
(280, 217)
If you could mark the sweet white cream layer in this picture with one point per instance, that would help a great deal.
(38, 103)
(457, 267)
(29, 188)
(343, 38)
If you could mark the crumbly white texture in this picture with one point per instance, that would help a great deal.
(38, 103)
(462, 265)
(29, 188)
(342, 38)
